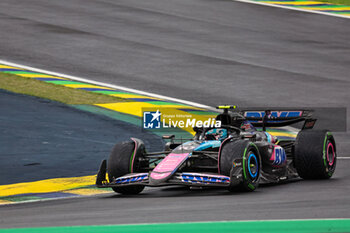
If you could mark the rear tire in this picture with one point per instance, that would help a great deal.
(315, 154)
(248, 154)
(120, 162)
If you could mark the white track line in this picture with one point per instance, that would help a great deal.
(343, 157)
(293, 8)
(108, 85)
(56, 198)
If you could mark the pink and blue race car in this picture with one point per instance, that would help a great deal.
(239, 155)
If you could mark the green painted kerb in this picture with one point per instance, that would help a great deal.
(289, 226)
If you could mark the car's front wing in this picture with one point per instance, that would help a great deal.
(179, 178)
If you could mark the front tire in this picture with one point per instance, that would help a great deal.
(315, 154)
(129, 190)
(124, 159)
(246, 153)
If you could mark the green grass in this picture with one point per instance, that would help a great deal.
(33, 87)
(339, 2)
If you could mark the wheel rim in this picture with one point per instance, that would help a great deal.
(253, 166)
(330, 154)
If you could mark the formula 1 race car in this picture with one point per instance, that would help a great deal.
(238, 155)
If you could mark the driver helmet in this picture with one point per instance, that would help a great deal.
(247, 126)
(216, 134)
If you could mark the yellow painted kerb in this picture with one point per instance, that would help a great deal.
(86, 86)
(45, 186)
(2, 202)
(9, 67)
(293, 3)
(36, 75)
(87, 192)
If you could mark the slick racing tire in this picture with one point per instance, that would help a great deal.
(241, 156)
(315, 154)
(124, 159)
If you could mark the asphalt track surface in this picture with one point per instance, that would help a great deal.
(42, 139)
(297, 200)
(206, 51)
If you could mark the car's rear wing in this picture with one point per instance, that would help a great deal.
(275, 118)
(279, 118)
(284, 114)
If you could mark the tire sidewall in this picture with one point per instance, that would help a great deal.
(250, 182)
(310, 154)
(238, 152)
(124, 158)
(329, 165)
